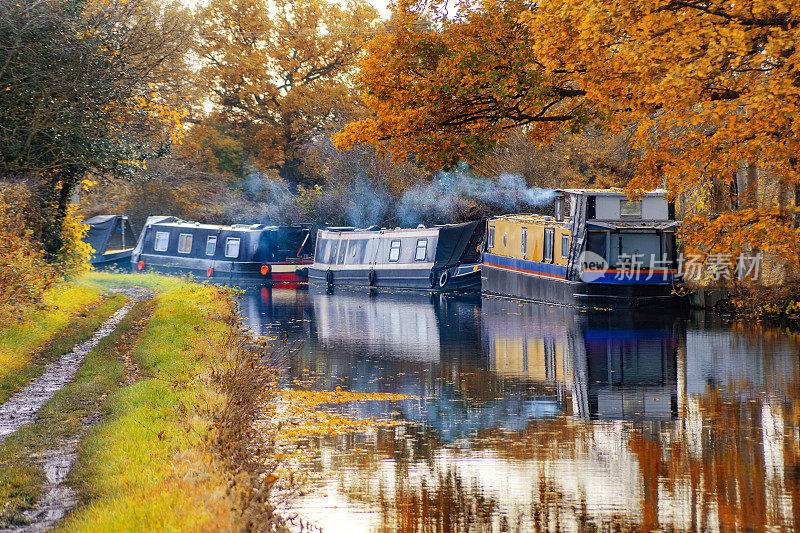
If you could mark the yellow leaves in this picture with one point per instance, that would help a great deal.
(304, 418)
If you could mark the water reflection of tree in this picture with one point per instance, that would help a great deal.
(448, 505)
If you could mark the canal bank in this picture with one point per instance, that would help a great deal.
(155, 418)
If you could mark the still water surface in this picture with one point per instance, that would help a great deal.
(527, 417)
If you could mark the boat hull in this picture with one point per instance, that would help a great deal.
(526, 285)
(224, 270)
(462, 278)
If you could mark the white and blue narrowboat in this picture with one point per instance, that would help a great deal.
(601, 249)
(440, 258)
(237, 253)
(112, 240)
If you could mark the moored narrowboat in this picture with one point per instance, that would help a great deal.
(238, 253)
(440, 258)
(112, 240)
(601, 249)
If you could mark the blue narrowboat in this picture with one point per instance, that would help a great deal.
(112, 240)
(239, 252)
(439, 258)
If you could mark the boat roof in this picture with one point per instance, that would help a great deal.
(531, 218)
(376, 229)
(634, 224)
(99, 219)
(178, 223)
(615, 191)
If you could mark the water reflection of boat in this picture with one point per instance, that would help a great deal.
(615, 365)
(276, 310)
(393, 325)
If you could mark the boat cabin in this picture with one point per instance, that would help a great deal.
(440, 257)
(240, 250)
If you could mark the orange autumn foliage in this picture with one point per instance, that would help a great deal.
(702, 87)
(279, 71)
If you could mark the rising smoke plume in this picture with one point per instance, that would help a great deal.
(447, 197)
(453, 196)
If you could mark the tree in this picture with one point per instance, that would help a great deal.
(279, 71)
(85, 87)
(703, 86)
(449, 89)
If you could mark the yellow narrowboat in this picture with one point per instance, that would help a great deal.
(600, 249)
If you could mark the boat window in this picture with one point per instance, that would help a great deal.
(596, 243)
(342, 251)
(211, 245)
(422, 250)
(630, 208)
(564, 246)
(643, 249)
(326, 248)
(232, 247)
(162, 241)
(185, 243)
(394, 251)
(524, 246)
(491, 237)
(505, 239)
(549, 236)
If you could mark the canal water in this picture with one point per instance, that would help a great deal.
(529, 417)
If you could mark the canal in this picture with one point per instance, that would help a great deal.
(527, 417)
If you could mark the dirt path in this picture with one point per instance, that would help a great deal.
(58, 498)
(22, 407)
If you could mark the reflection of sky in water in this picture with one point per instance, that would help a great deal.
(532, 410)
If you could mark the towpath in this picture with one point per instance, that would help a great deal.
(57, 497)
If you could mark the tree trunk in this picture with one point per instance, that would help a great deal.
(55, 211)
(748, 186)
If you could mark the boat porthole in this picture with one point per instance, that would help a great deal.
(443, 278)
(210, 272)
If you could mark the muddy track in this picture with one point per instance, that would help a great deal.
(58, 498)
(22, 407)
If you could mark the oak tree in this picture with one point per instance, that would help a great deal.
(280, 71)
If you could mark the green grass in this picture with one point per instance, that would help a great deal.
(156, 282)
(73, 312)
(148, 466)
(21, 478)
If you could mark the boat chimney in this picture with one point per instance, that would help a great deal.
(559, 208)
(421, 226)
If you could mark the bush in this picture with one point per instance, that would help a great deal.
(73, 258)
(24, 274)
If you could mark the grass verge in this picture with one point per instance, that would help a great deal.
(73, 312)
(169, 454)
(21, 477)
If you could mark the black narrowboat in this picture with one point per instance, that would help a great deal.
(440, 258)
(112, 240)
(239, 252)
(601, 249)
